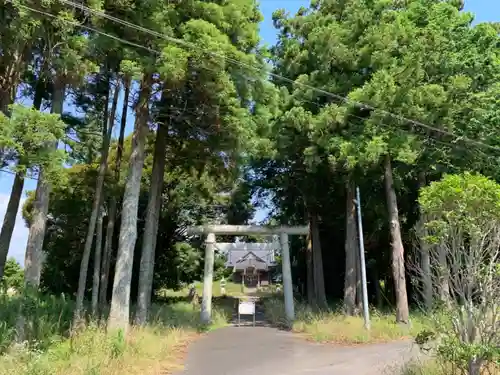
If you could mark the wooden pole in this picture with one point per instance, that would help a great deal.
(208, 276)
(287, 277)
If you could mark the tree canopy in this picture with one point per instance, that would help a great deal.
(165, 115)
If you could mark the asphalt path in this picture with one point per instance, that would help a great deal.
(248, 350)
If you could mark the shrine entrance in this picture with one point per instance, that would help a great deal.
(252, 264)
(255, 262)
(250, 277)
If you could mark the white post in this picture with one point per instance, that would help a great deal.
(208, 276)
(366, 312)
(286, 269)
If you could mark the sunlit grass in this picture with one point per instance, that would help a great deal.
(433, 367)
(333, 326)
(418, 368)
(232, 290)
(156, 348)
(149, 350)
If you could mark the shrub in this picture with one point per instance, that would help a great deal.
(463, 220)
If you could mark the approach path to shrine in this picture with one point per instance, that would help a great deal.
(250, 350)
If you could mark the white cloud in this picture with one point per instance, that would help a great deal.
(20, 235)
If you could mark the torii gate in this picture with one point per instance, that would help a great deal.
(244, 230)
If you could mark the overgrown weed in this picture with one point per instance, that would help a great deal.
(333, 326)
(49, 348)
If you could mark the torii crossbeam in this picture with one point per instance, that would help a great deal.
(244, 230)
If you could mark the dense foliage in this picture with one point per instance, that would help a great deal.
(417, 81)
(387, 96)
(188, 198)
(463, 246)
(12, 275)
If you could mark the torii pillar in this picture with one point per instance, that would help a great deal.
(238, 230)
(208, 278)
(286, 269)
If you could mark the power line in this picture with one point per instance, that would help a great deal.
(77, 24)
(451, 144)
(175, 40)
(357, 104)
(105, 34)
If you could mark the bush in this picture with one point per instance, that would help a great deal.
(13, 275)
(463, 246)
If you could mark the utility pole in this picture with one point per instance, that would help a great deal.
(366, 313)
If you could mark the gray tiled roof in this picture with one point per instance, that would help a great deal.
(251, 253)
(251, 260)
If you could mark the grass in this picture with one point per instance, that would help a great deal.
(327, 326)
(49, 319)
(333, 326)
(150, 350)
(232, 290)
(432, 367)
(419, 368)
(157, 348)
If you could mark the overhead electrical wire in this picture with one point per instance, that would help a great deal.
(357, 104)
(77, 24)
(341, 98)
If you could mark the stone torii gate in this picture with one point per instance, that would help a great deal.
(244, 230)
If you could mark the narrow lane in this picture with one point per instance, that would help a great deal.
(250, 350)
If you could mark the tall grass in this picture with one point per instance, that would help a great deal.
(333, 326)
(232, 289)
(49, 319)
(419, 368)
(435, 367)
(183, 315)
(49, 348)
(149, 350)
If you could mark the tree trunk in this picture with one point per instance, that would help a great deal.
(96, 205)
(425, 264)
(97, 265)
(120, 300)
(311, 297)
(376, 286)
(110, 230)
(9, 220)
(443, 276)
(11, 74)
(33, 258)
(359, 291)
(425, 257)
(474, 366)
(319, 280)
(34, 249)
(398, 265)
(350, 251)
(5, 100)
(151, 228)
(106, 254)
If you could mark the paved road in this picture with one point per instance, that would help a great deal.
(259, 350)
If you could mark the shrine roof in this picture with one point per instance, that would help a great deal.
(239, 258)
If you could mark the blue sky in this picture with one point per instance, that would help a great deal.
(485, 10)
